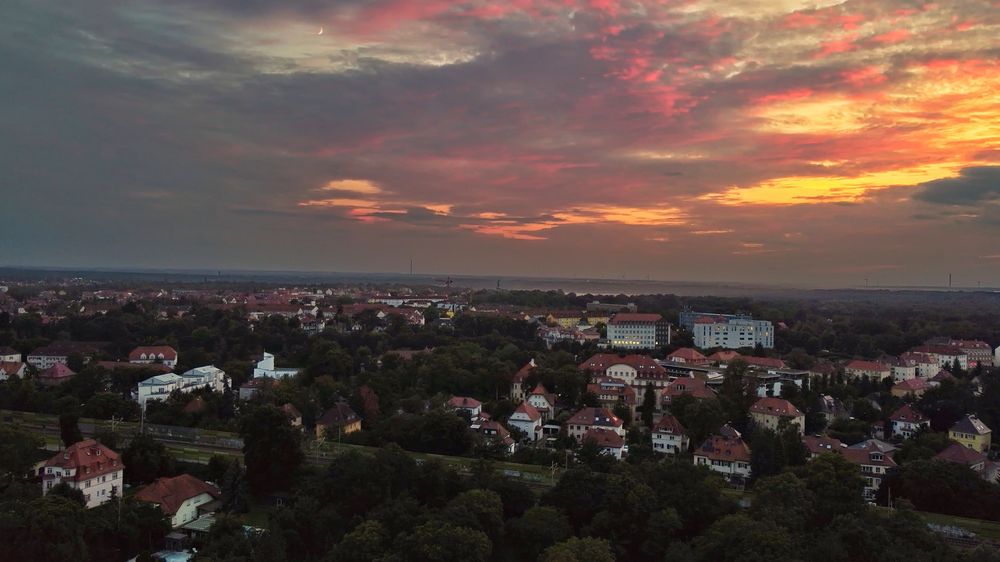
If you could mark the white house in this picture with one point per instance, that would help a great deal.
(527, 418)
(669, 436)
(159, 387)
(543, 401)
(466, 404)
(9, 355)
(265, 368)
(608, 441)
(208, 375)
(163, 354)
(87, 466)
(726, 454)
(179, 497)
(907, 421)
(593, 418)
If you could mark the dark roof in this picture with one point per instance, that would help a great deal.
(669, 424)
(170, 493)
(908, 414)
(338, 416)
(960, 454)
(970, 424)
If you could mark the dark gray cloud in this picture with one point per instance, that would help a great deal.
(974, 186)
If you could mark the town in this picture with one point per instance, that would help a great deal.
(224, 408)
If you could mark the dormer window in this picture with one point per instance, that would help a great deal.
(876, 457)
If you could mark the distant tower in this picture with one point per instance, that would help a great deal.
(411, 267)
(949, 280)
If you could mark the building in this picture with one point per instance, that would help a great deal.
(60, 352)
(978, 352)
(611, 392)
(688, 356)
(873, 370)
(543, 401)
(907, 421)
(607, 441)
(517, 382)
(12, 368)
(634, 330)
(873, 464)
(87, 466)
(977, 461)
(945, 355)
(820, 444)
(669, 436)
(694, 386)
(527, 419)
(55, 375)
(162, 354)
(924, 364)
(635, 370)
(470, 406)
(728, 332)
(915, 387)
(292, 413)
(727, 454)
(9, 355)
(338, 420)
(250, 388)
(770, 413)
(972, 433)
(159, 387)
(265, 368)
(593, 418)
(498, 435)
(181, 498)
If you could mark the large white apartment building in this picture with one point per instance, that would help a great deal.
(732, 332)
(160, 386)
(631, 330)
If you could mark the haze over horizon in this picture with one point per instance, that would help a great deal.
(778, 142)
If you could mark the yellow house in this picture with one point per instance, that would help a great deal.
(972, 433)
(337, 421)
(565, 318)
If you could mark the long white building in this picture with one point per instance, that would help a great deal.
(732, 333)
(632, 330)
(160, 386)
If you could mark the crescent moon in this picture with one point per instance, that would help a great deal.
(320, 31)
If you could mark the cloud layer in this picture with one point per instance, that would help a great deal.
(784, 141)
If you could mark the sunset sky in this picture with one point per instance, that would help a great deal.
(777, 141)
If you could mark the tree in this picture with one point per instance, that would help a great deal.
(477, 509)
(366, 542)
(234, 488)
(576, 549)
(49, 528)
(146, 459)
(539, 528)
(272, 449)
(69, 428)
(437, 541)
(18, 450)
(648, 405)
(738, 538)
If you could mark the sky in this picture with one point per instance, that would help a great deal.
(816, 143)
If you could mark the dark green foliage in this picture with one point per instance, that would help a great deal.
(272, 449)
(69, 428)
(146, 459)
(943, 487)
(18, 451)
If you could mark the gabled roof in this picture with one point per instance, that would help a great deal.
(291, 411)
(634, 317)
(88, 457)
(152, 352)
(603, 361)
(765, 362)
(819, 444)
(908, 414)
(862, 365)
(942, 376)
(338, 416)
(688, 385)
(775, 407)
(687, 355)
(721, 448)
(464, 402)
(868, 455)
(171, 493)
(970, 424)
(604, 438)
(600, 417)
(912, 385)
(723, 356)
(960, 454)
(669, 424)
(528, 410)
(56, 372)
(523, 372)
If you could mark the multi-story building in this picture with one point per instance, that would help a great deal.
(946, 355)
(60, 352)
(87, 466)
(162, 354)
(925, 365)
(977, 351)
(732, 332)
(608, 442)
(337, 421)
(265, 368)
(611, 392)
(635, 370)
(872, 369)
(159, 387)
(726, 454)
(633, 330)
(972, 433)
(770, 413)
(593, 418)
(9, 355)
(669, 436)
(873, 464)
(907, 421)
(179, 497)
(527, 419)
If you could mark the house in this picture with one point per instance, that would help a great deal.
(60, 352)
(543, 401)
(591, 418)
(634, 330)
(686, 385)
(669, 436)
(466, 404)
(977, 461)
(925, 365)
(636, 370)
(87, 466)
(518, 381)
(723, 357)
(873, 463)
(527, 419)
(818, 445)
(498, 435)
(265, 368)
(179, 497)
(945, 355)
(727, 454)
(162, 354)
(972, 433)
(611, 392)
(55, 375)
(338, 420)
(688, 356)
(9, 355)
(907, 421)
(157, 387)
(607, 441)
(770, 413)
(914, 386)
(250, 388)
(12, 368)
(871, 369)
(293, 414)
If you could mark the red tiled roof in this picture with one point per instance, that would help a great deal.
(291, 411)
(908, 414)
(669, 424)
(819, 444)
(56, 373)
(960, 454)
(861, 365)
(11, 367)
(88, 457)
(775, 407)
(529, 410)
(911, 385)
(623, 317)
(603, 361)
(867, 455)
(723, 356)
(942, 376)
(722, 448)
(523, 372)
(688, 355)
(604, 438)
(600, 417)
(464, 402)
(153, 352)
(171, 493)
(688, 385)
